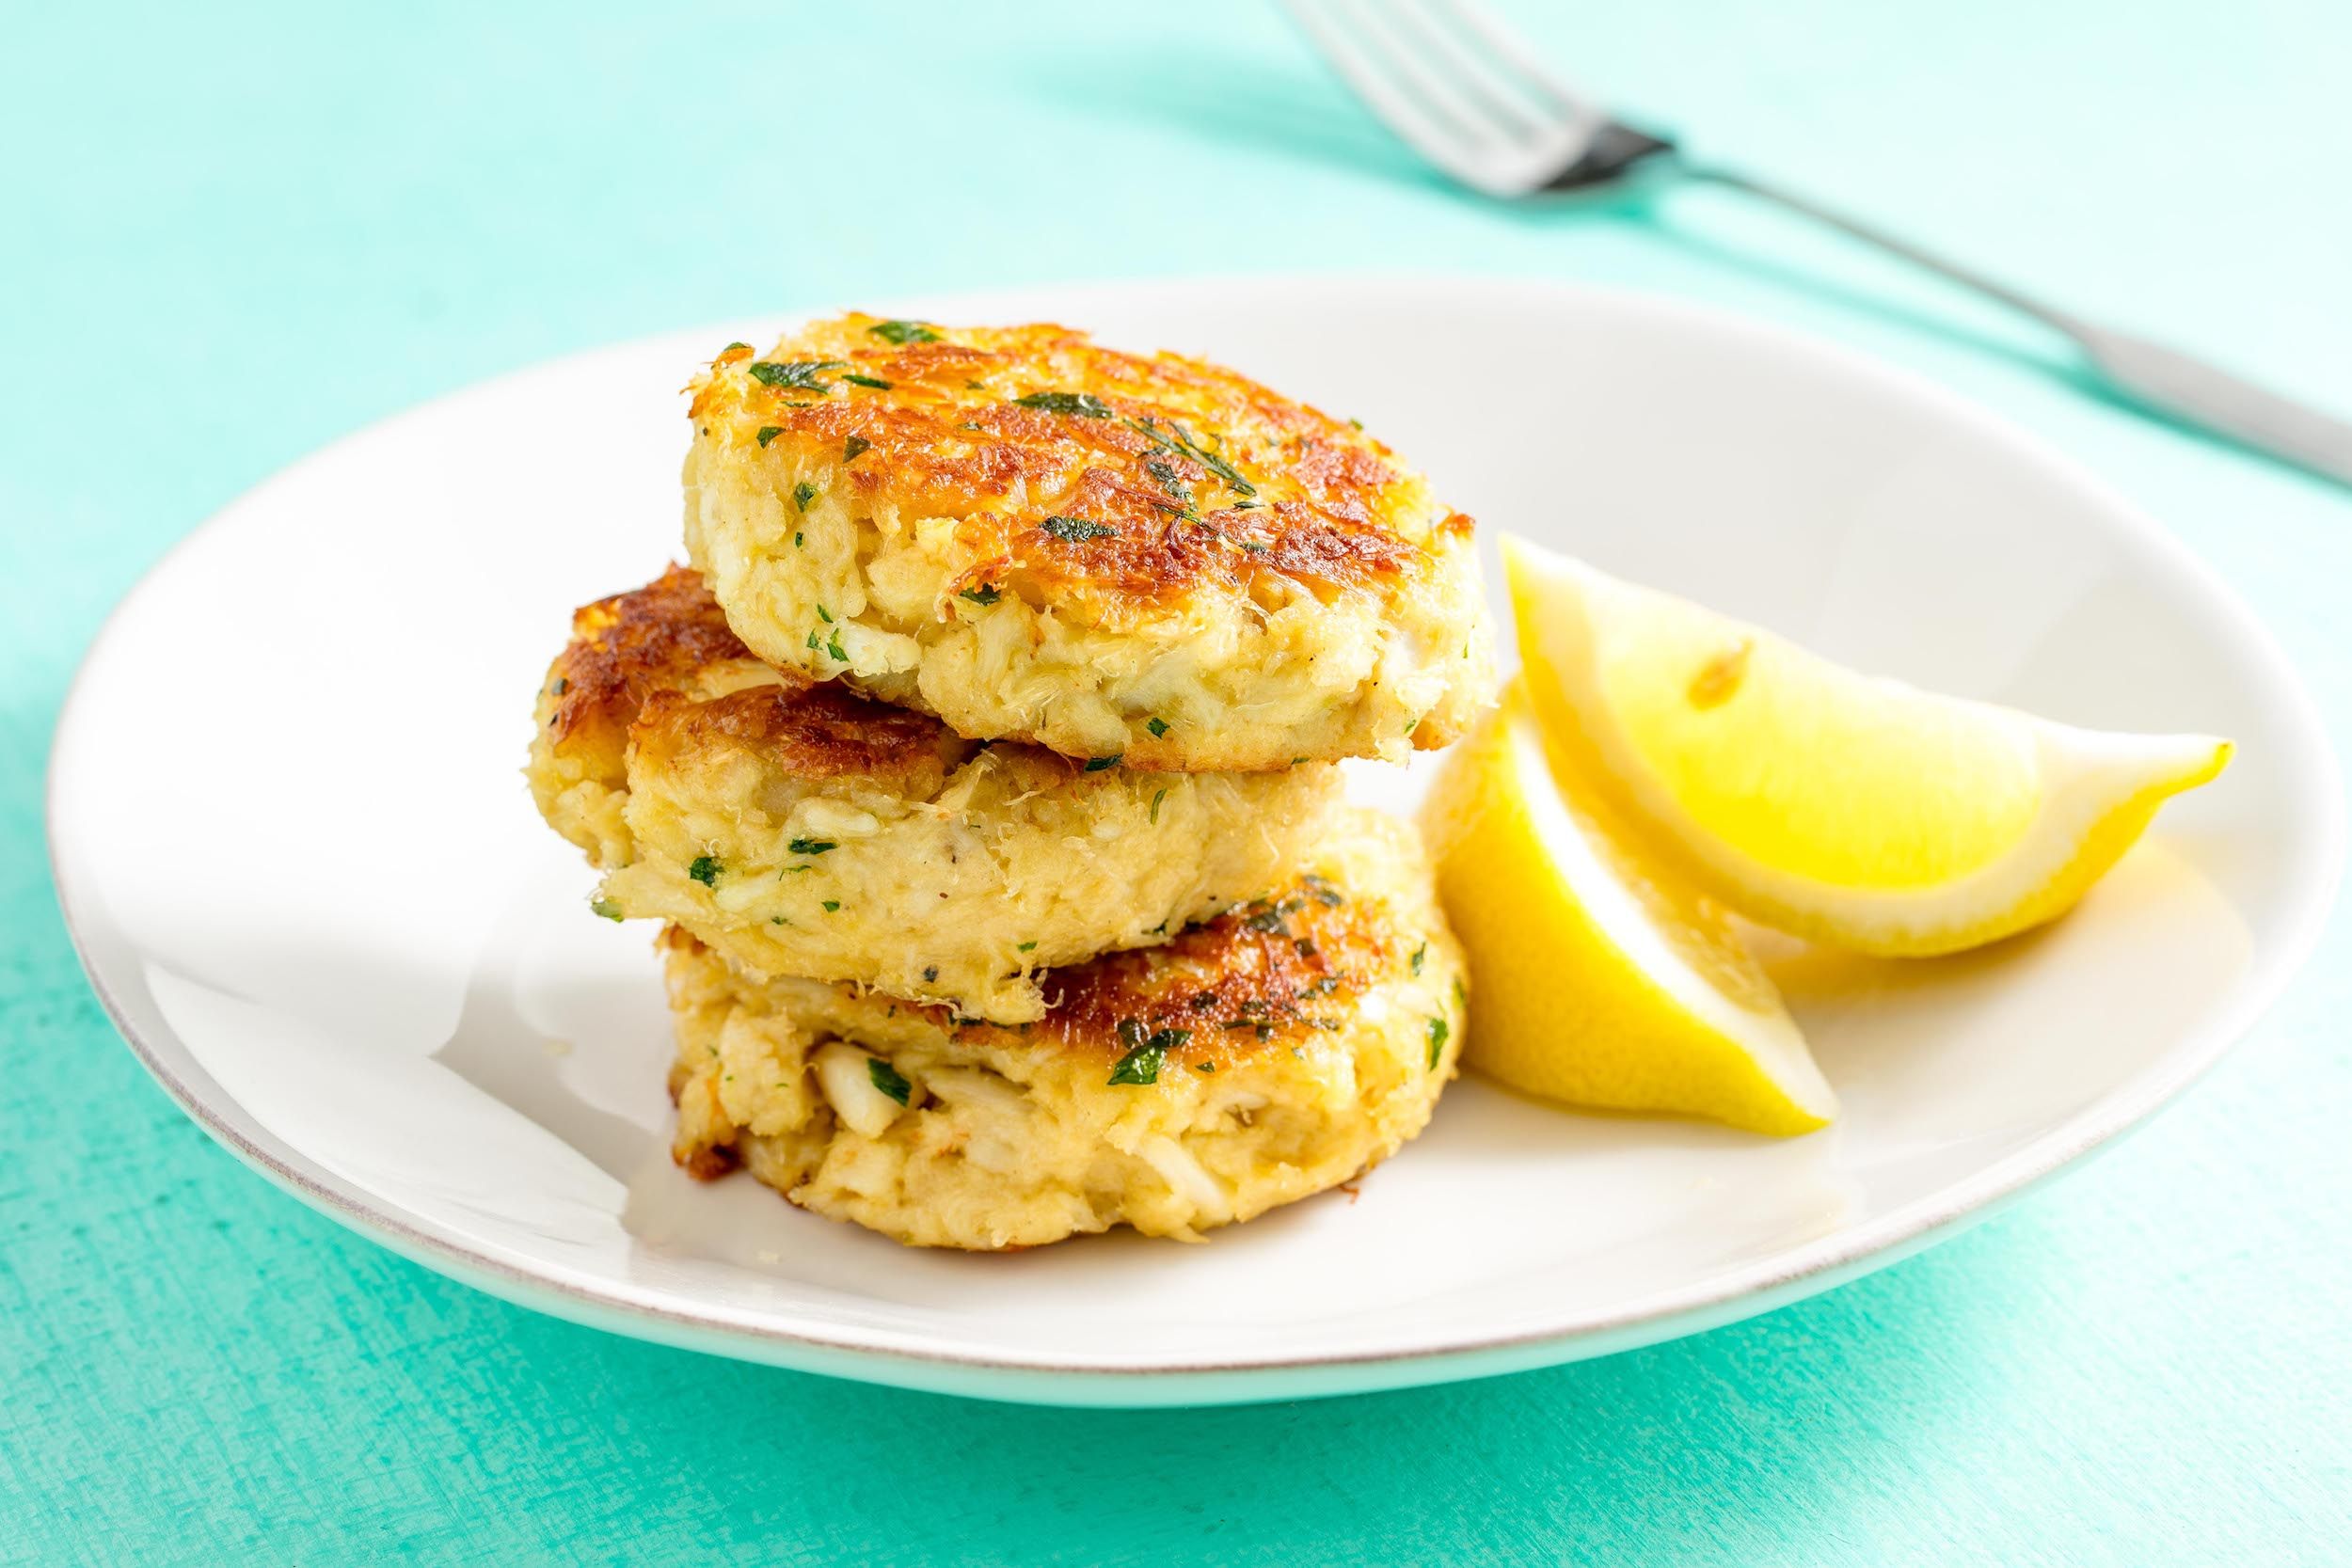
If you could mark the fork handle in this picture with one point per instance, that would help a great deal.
(2159, 378)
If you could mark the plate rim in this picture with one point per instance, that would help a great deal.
(1734, 1294)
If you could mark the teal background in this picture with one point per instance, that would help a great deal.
(237, 232)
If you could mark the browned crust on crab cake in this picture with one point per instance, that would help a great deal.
(1038, 537)
(804, 830)
(1260, 1057)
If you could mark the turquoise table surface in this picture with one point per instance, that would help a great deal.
(237, 232)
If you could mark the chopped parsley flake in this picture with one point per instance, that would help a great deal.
(833, 646)
(794, 372)
(1141, 1064)
(1171, 485)
(876, 382)
(1177, 438)
(1096, 765)
(825, 615)
(732, 347)
(1324, 893)
(802, 494)
(1270, 920)
(813, 641)
(607, 908)
(887, 1079)
(1157, 726)
(812, 846)
(1155, 806)
(851, 448)
(1028, 947)
(1086, 405)
(833, 906)
(767, 432)
(1461, 996)
(1438, 1030)
(1204, 1066)
(704, 870)
(797, 540)
(985, 594)
(902, 333)
(1420, 953)
(1070, 530)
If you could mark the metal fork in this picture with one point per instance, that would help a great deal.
(1468, 95)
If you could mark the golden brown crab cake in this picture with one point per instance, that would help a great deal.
(1264, 1056)
(804, 830)
(1108, 554)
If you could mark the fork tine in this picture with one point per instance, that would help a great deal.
(1512, 49)
(1363, 70)
(1390, 28)
(1525, 109)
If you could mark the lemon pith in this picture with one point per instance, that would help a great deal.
(1805, 796)
(1601, 981)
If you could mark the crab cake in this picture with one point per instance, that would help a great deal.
(1111, 555)
(802, 830)
(1264, 1056)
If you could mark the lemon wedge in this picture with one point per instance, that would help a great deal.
(1600, 980)
(1842, 808)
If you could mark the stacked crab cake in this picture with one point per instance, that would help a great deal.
(983, 771)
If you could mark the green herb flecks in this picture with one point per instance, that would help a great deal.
(902, 333)
(1177, 438)
(812, 846)
(1438, 1030)
(833, 906)
(1418, 954)
(1172, 485)
(732, 347)
(1096, 765)
(799, 540)
(802, 494)
(814, 641)
(704, 870)
(832, 647)
(606, 908)
(1141, 1064)
(1155, 806)
(1157, 726)
(1026, 948)
(855, 444)
(1084, 406)
(562, 684)
(1273, 919)
(767, 432)
(1324, 893)
(825, 615)
(795, 373)
(985, 594)
(1070, 530)
(887, 1079)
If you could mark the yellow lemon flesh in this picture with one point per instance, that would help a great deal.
(1846, 809)
(1601, 980)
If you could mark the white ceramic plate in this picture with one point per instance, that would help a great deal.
(293, 845)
